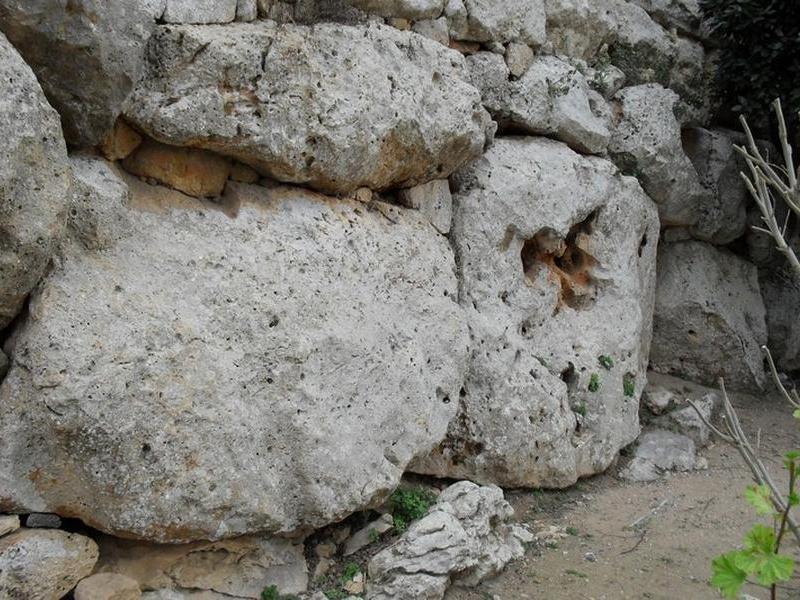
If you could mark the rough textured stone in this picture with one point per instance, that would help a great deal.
(199, 11)
(199, 173)
(464, 539)
(709, 316)
(108, 586)
(718, 165)
(518, 58)
(432, 199)
(668, 398)
(364, 536)
(401, 116)
(246, 10)
(34, 181)
(557, 260)
(87, 54)
(646, 142)
(684, 15)
(43, 520)
(781, 292)
(43, 564)
(551, 98)
(579, 28)
(120, 142)
(223, 352)
(239, 567)
(434, 29)
(8, 523)
(403, 9)
(658, 451)
(692, 78)
(509, 21)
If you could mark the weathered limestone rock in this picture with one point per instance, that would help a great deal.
(518, 58)
(579, 28)
(552, 98)
(557, 259)
(199, 11)
(87, 54)
(246, 10)
(414, 10)
(434, 29)
(108, 586)
(120, 142)
(34, 181)
(401, 116)
(43, 520)
(464, 539)
(668, 398)
(195, 376)
(692, 77)
(646, 142)
(239, 567)
(641, 48)
(781, 292)
(432, 199)
(199, 173)
(684, 15)
(364, 536)
(659, 451)
(46, 564)
(724, 217)
(509, 21)
(709, 316)
(8, 524)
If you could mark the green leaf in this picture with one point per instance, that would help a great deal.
(774, 568)
(794, 499)
(758, 496)
(726, 576)
(796, 413)
(760, 539)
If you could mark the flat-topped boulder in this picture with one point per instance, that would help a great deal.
(332, 107)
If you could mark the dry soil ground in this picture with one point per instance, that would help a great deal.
(682, 523)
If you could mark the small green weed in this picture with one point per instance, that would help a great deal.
(572, 530)
(576, 573)
(335, 594)
(374, 536)
(271, 593)
(605, 361)
(594, 382)
(409, 505)
(629, 384)
(350, 570)
(580, 409)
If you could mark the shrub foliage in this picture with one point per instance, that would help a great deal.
(759, 59)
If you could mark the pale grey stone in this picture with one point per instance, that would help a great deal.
(246, 10)
(108, 586)
(199, 11)
(692, 78)
(227, 349)
(38, 563)
(683, 15)
(509, 21)
(87, 55)
(687, 422)
(457, 18)
(557, 259)
(402, 115)
(518, 58)
(465, 538)
(238, 567)
(404, 9)
(34, 182)
(646, 142)
(724, 217)
(432, 199)
(709, 318)
(780, 289)
(551, 98)
(659, 451)
(434, 29)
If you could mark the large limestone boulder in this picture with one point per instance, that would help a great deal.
(509, 21)
(684, 15)
(239, 567)
(43, 564)
(709, 317)
(465, 538)
(34, 181)
(780, 288)
(333, 107)
(195, 371)
(551, 98)
(723, 216)
(646, 142)
(402, 9)
(557, 256)
(87, 54)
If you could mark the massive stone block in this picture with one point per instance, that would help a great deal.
(557, 264)
(709, 318)
(87, 54)
(34, 181)
(191, 371)
(333, 107)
